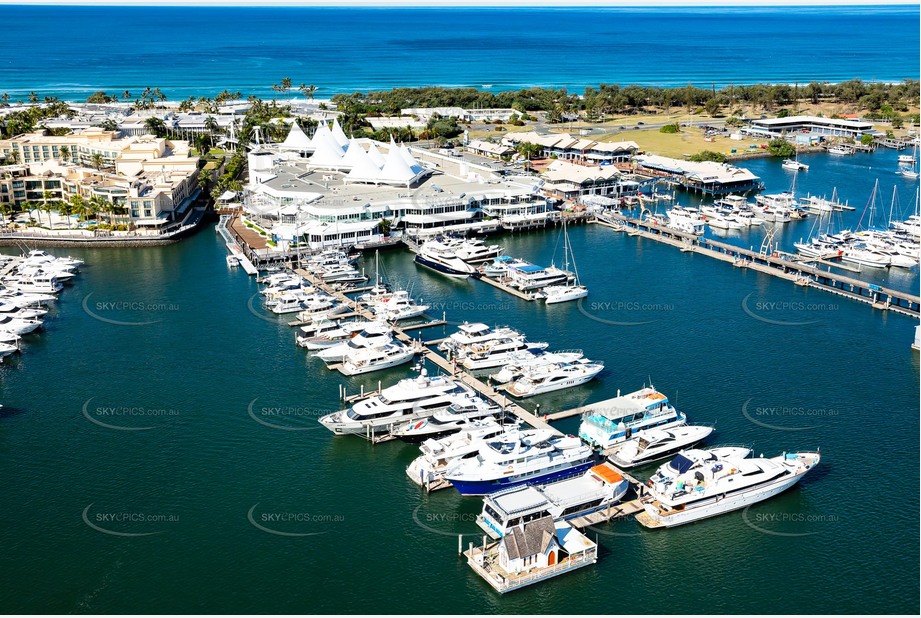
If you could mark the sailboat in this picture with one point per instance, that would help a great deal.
(569, 291)
(910, 171)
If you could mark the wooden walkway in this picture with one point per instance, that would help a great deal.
(775, 264)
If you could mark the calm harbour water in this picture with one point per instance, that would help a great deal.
(201, 51)
(846, 382)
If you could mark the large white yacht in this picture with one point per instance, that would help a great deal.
(18, 326)
(554, 377)
(690, 489)
(366, 360)
(442, 258)
(397, 306)
(472, 333)
(657, 444)
(529, 361)
(627, 416)
(497, 352)
(454, 418)
(427, 470)
(407, 400)
(528, 456)
(374, 335)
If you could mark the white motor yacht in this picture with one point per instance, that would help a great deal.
(702, 489)
(555, 377)
(656, 444)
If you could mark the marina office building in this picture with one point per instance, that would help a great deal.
(836, 128)
(329, 191)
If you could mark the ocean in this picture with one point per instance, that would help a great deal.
(200, 51)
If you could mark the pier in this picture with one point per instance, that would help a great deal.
(777, 264)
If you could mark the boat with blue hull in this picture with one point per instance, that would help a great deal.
(525, 457)
(443, 259)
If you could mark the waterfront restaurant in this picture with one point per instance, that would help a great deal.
(707, 177)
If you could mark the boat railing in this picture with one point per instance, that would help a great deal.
(589, 556)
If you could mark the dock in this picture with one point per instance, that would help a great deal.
(776, 264)
(496, 283)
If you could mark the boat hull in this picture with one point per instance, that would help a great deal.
(715, 506)
(484, 487)
(444, 269)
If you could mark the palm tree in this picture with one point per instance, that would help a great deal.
(126, 95)
(33, 98)
(47, 199)
(156, 126)
(528, 150)
(78, 204)
(65, 153)
(286, 84)
(311, 90)
(5, 98)
(97, 161)
(211, 125)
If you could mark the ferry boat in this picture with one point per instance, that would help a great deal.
(626, 416)
(657, 444)
(407, 400)
(496, 352)
(454, 418)
(555, 377)
(600, 487)
(532, 277)
(428, 469)
(529, 456)
(691, 490)
(442, 258)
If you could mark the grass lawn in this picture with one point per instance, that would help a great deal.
(678, 145)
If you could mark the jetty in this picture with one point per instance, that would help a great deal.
(777, 264)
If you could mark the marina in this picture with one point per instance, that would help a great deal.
(382, 366)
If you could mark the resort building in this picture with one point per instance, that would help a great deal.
(345, 190)
(467, 115)
(150, 181)
(569, 148)
(828, 127)
(707, 177)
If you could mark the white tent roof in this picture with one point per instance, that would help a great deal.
(326, 153)
(410, 159)
(376, 156)
(321, 135)
(395, 169)
(338, 134)
(363, 168)
(354, 155)
(297, 139)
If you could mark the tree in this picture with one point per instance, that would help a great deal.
(528, 150)
(155, 126)
(866, 139)
(109, 124)
(97, 161)
(385, 226)
(5, 98)
(781, 148)
(708, 155)
(670, 128)
(47, 198)
(65, 153)
(126, 95)
(211, 125)
(897, 122)
(33, 98)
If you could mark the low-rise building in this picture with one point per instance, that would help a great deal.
(828, 127)
(708, 177)
(565, 146)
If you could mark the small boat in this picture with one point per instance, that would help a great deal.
(528, 361)
(840, 149)
(794, 165)
(374, 335)
(18, 326)
(657, 444)
(693, 489)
